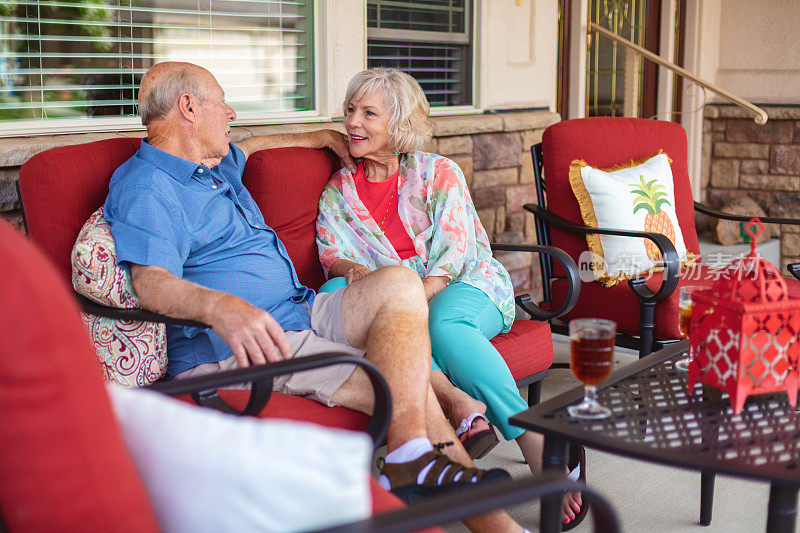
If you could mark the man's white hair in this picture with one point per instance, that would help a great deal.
(167, 88)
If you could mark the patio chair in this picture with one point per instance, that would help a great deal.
(63, 461)
(645, 310)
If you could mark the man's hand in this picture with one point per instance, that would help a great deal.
(332, 139)
(252, 334)
(337, 142)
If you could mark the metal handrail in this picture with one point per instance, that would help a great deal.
(760, 115)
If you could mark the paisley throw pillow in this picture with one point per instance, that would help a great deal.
(132, 353)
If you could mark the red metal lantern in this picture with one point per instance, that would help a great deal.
(745, 330)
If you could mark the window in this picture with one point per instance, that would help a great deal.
(79, 59)
(429, 40)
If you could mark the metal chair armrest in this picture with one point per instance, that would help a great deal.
(204, 392)
(672, 267)
(573, 292)
(794, 269)
(379, 422)
(259, 391)
(716, 213)
(93, 308)
(477, 500)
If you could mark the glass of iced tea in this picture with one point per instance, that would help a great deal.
(591, 359)
(685, 321)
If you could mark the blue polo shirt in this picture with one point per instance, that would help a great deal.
(202, 225)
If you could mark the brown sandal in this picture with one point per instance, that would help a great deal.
(403, 476)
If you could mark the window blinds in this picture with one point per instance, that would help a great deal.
(84, 58)
(428, 40)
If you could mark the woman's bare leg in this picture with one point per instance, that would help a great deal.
(532, 445)
(457, 404)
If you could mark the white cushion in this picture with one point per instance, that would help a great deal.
(208, 471)
(613, 198)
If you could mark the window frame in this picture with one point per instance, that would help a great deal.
(114, 124)
(417, 36)
(472, 17)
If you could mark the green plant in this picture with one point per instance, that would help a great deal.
(94, 14)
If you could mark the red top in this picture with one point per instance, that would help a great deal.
(381, 200)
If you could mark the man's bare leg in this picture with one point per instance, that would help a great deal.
(457, 404)
(440, 430)
(386, 313)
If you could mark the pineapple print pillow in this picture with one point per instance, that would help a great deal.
(639, 195)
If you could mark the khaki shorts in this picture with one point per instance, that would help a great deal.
(320, 383)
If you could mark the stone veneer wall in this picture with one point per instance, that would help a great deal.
(763, 162)
(493, 150)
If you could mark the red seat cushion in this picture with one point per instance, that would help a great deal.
(527, 348)
(604, 142)
(297, 408)
(383, 500)
(594, 301)
(61, 187)
(63, 464)
(286, 184)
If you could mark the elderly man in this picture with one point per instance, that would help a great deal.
(198, 248)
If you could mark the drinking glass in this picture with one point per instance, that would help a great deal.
(685, 322)
(592, 356)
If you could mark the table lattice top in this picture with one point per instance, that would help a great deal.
(654, 417)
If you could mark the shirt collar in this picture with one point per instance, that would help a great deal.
(177, 167)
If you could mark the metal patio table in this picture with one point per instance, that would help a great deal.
(654, 418)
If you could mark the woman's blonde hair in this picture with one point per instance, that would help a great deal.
(409, 126)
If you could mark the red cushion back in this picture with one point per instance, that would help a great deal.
(63, 464)
(286, 184)
(604, 142)
(62, 187)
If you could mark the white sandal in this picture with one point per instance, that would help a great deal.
(480, 443)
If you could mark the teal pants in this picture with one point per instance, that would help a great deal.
(462, 319)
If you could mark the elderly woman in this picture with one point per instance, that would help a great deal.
(412, 208)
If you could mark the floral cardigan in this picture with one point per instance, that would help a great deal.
(436, 209)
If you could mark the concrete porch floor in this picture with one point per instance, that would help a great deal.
(647, 497)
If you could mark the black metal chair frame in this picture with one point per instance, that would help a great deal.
(204, 389)
(645, 343)
(477, 500)
(525, 301)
